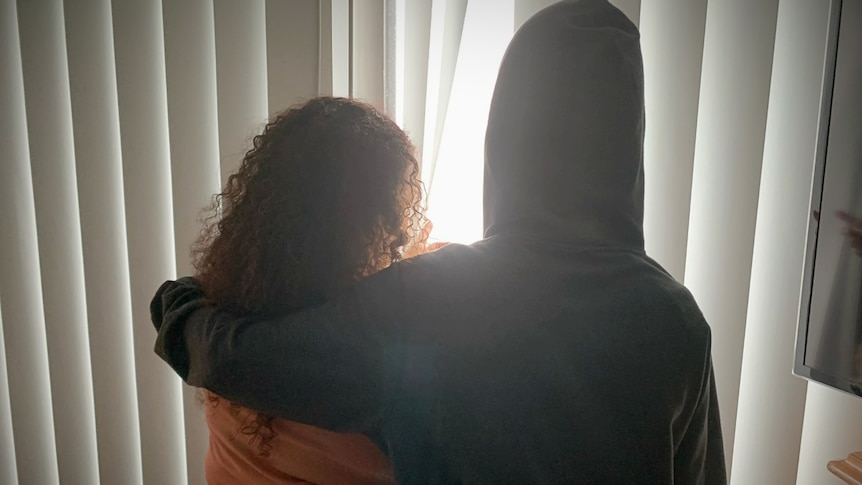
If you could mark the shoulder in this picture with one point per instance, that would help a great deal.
(660, 291)
(680, 302)
(431, 271)
(447, 256)
(661, 310)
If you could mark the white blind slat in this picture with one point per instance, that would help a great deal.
(672, 45)
(193, 118)
(92, 80)
(334, 68)
(8, 469)
(292, 52)
(367, 52)
(417, 42)
(393, 60)
(141, 86)
(324, 42)
(734, 89)
(240, 36)
(20, 285)
(49, 114)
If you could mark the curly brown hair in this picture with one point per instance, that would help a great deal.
(329, 193)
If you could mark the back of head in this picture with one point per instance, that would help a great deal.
(328, 193)
(564, 144)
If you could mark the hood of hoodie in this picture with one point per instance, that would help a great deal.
(564, 143)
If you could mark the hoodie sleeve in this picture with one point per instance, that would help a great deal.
(699, 459)
(715, 468)
(335, 366)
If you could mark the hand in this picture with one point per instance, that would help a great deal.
(852, 230)
(423, 247)
(169, 309)
(172, 295)
(430, 248)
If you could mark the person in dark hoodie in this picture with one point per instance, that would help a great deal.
(552, 351)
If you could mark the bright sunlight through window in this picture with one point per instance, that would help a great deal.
(453, 170)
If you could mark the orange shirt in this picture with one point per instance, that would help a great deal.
(300, 453)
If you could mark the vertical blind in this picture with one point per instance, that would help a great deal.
(121, 119)
(119, 122)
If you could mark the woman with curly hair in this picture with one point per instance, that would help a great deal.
(328, 194)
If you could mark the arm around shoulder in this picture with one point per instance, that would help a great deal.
(334, 366)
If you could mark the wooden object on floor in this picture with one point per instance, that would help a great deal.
(849, 470)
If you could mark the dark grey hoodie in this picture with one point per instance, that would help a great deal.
(553, 351)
